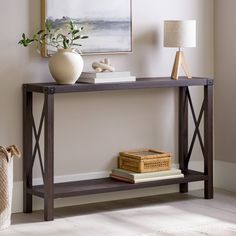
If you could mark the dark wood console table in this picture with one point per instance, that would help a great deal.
(50, 191)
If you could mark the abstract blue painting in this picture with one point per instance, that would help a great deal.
(108, 23)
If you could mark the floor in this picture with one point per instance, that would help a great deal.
(164, 215)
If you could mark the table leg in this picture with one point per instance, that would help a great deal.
(208, 140)
(27, 150)
(183, 133)
(49, 157)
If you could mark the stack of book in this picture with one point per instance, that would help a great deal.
(132, 177)
(145, 165)
(106, 77)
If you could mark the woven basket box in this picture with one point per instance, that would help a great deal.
(6, 188)
(145, 160)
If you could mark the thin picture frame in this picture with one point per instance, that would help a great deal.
(106, 35)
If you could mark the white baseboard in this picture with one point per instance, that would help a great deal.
(38, 203)
(225, 175)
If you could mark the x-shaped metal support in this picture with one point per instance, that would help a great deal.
(37, 135)
(197, 132)
(185, 151)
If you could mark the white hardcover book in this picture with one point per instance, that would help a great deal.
(106, 80)
(136, 176)
(116, 74)
(158, 178)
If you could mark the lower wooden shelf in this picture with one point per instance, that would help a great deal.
(86, 187)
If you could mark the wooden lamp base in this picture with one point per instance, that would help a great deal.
(180, 61)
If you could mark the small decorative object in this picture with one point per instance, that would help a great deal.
(6, 180)
(66, 64)
(103, 66)
(180, 34)
(145, 160)
(109, 22)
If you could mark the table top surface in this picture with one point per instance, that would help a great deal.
(140, 83)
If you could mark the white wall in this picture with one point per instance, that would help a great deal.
(225, 96)
(91, 128)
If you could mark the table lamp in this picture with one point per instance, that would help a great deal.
(180, 34)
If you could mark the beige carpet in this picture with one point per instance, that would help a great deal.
(165, 215)
(213, 229)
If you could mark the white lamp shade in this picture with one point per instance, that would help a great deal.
(180, 34)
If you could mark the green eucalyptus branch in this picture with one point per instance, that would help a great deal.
(52, 37)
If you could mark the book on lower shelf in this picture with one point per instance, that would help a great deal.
(132, 177)
(107, 80)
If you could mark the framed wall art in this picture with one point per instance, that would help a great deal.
(108, 23)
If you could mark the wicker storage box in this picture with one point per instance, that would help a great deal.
(6, 187)
(145, 160)
(6, 183)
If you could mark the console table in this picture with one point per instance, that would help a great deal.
(50, 191)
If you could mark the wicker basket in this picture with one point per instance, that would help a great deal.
(6, 184)
(6, 178)
(145, 160)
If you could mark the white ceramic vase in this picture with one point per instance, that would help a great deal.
(66, 66)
